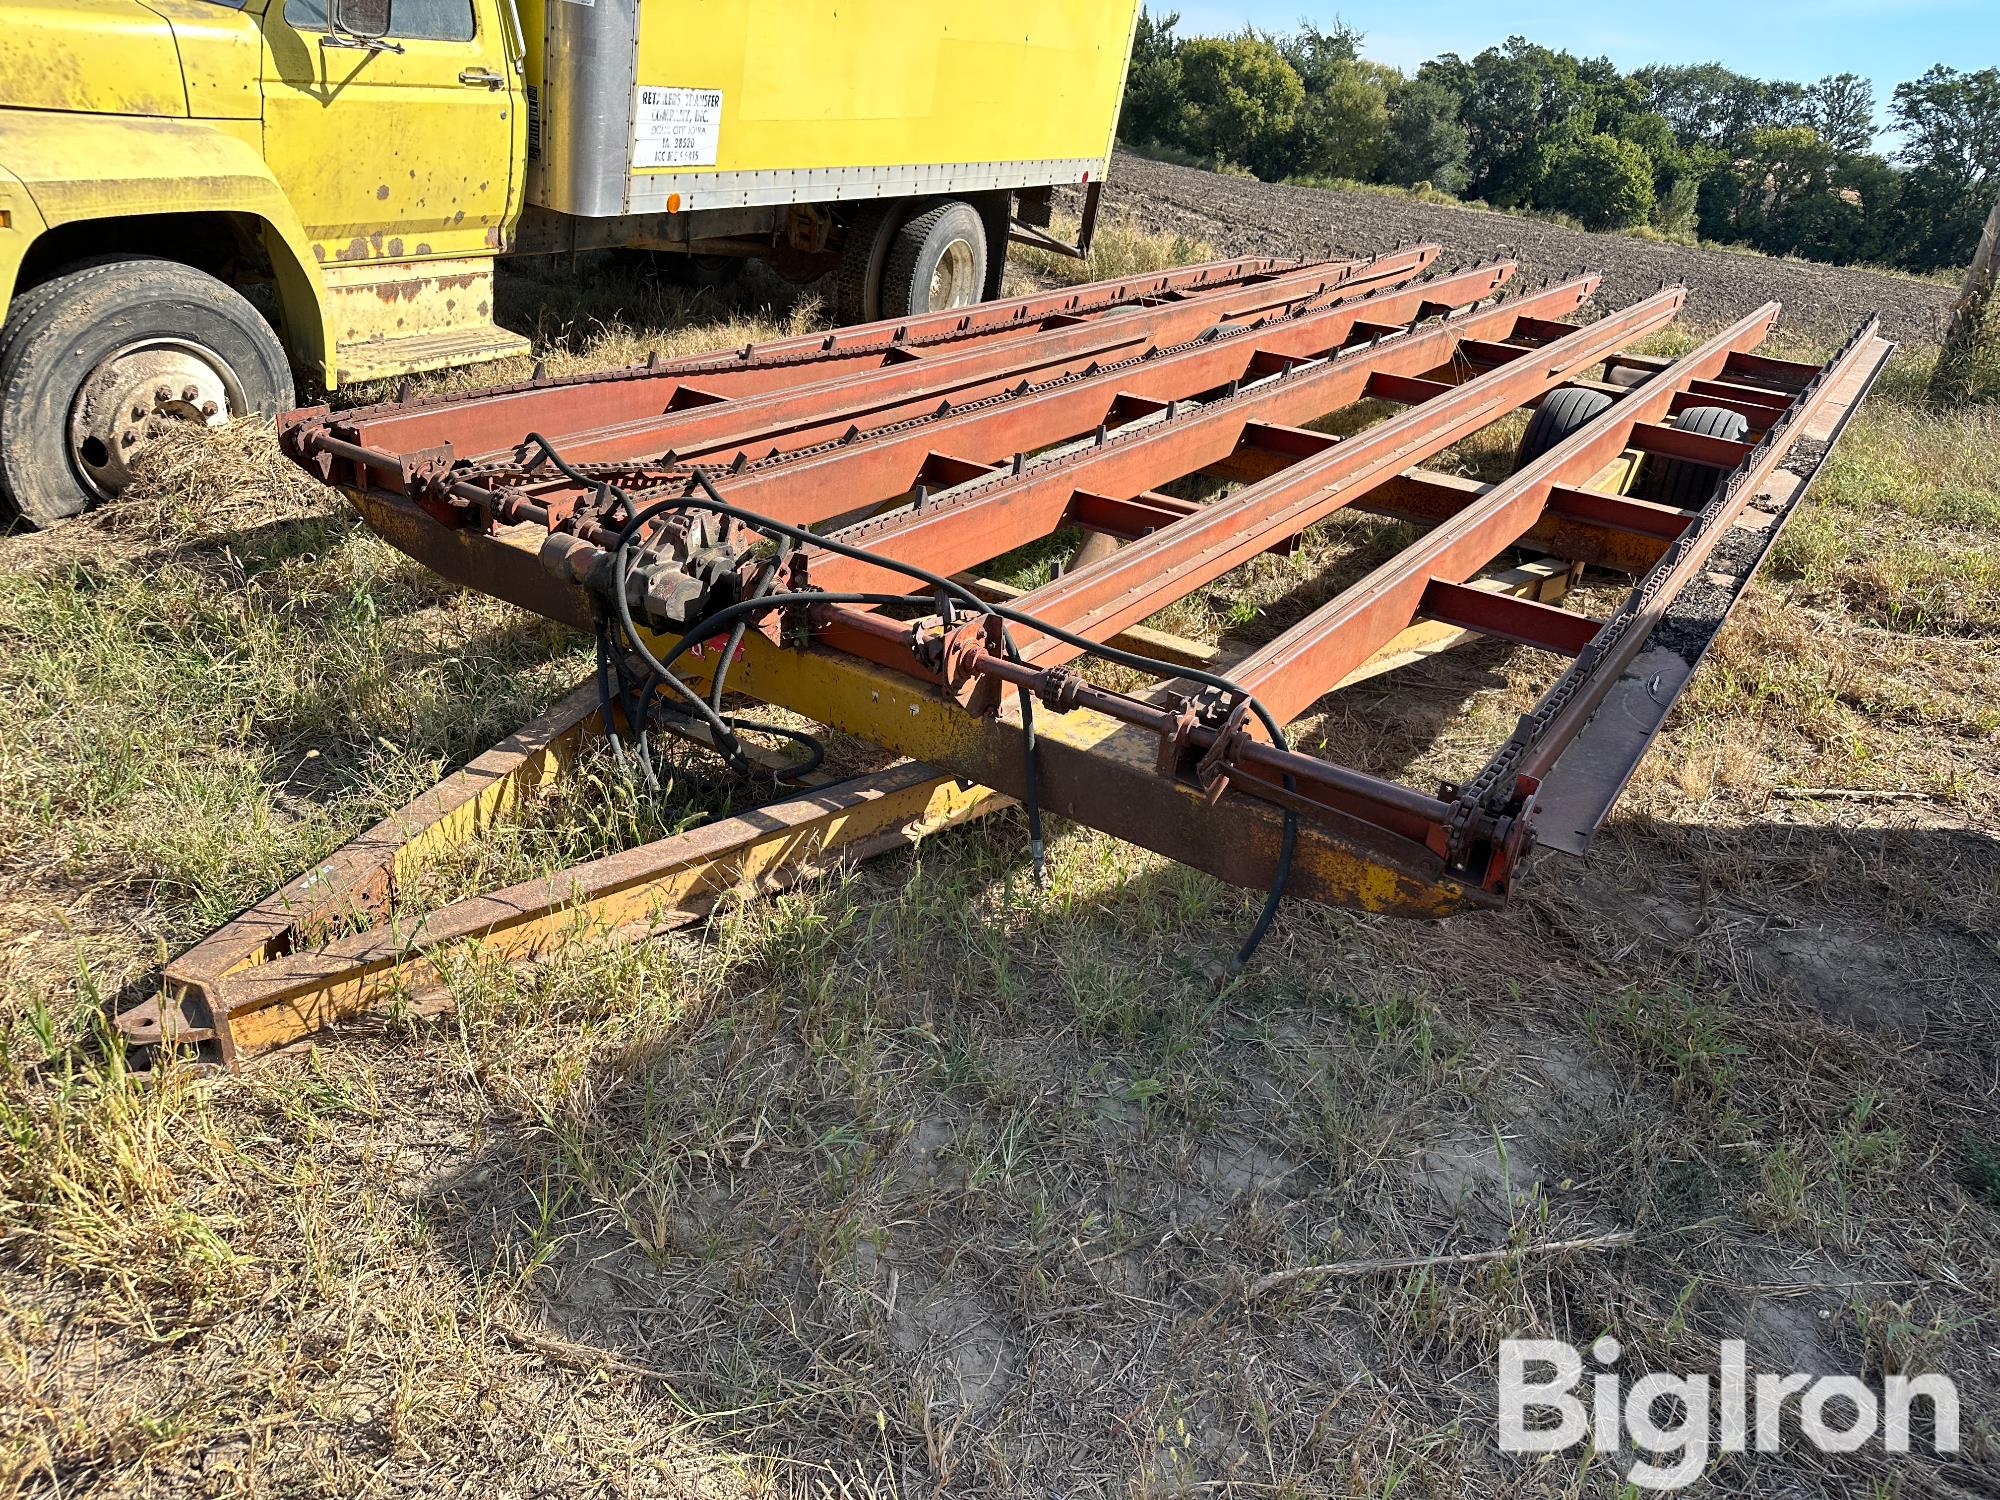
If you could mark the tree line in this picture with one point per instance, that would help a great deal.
(1701, 150)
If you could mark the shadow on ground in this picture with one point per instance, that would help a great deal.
(989, 1220)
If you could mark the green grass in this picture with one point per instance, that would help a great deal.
(1908, 530)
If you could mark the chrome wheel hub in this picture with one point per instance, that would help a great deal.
(953, 283)
(126, 402)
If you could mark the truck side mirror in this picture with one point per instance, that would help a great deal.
(367, 19)
(361, 24)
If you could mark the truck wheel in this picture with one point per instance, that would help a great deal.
(94, 363)
(938, 260)
(857, 285)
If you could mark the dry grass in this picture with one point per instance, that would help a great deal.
(921, 1180)
(1122, 246)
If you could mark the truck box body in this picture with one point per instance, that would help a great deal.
(670, 106)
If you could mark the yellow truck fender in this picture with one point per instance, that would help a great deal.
(20, 226)
(77, 169)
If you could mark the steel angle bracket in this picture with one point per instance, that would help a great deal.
(335, 944)
(1586, 779)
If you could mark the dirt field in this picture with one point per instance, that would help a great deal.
(922, 1181)
(1241, 215)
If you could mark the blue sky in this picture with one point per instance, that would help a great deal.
(1886, 40)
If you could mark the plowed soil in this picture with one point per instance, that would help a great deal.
(1240, 215)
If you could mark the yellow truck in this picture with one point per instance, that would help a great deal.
(359, 166)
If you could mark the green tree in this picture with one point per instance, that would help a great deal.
(1424, 141)
(1522, 104)
(1239, 98)
(1676, 210)
(1342, 122)
(1603, 182)
(1951, 145)
(1841, 110)
(1708, 104)
(1781, 169)
(1152, 109)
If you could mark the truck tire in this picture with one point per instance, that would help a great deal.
(1563, 411)
(94, 361)
(857, 285)
(938, 260)
(1675, 481)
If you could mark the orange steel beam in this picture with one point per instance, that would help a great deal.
(711, 418)
(495, 418)
(987, 519)
(1299, 666)
(1140, 579)
(1215, 380)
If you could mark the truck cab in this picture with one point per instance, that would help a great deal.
(202, 201)
(161, 158)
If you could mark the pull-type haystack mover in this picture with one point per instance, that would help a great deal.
(807, 524)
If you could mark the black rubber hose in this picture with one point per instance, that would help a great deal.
(604, 692)
(1031, 798)
(1288, 841)
(765, 581)
(715, 503)
(724, 740)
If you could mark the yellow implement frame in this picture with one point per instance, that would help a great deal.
(334, 945)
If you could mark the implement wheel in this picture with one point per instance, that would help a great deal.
(94, 365)
(1562, 412)
(938, 261)
(1684, 485)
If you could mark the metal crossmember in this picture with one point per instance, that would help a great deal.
(807, 521)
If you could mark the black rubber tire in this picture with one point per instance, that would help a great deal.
(920, 245)
(857, 284)
(59, 332)
(1675, 481)
(1562, 412)
(23, 310)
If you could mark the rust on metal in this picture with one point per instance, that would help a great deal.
(804, 523)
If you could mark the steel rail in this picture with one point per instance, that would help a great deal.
(816, 483)
(1292, 671)
(1573, 697)
(1142, 578)
(988, 517)
(1580, 781)
(875, 467)
(408, 421)
(712, 419)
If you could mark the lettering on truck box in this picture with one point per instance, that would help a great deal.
(676, 127)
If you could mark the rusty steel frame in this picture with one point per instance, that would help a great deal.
(696, 405)
(337, 943)
(942, 444)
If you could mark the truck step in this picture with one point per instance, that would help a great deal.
(404, 317)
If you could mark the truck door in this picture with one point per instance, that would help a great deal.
(397, 152)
